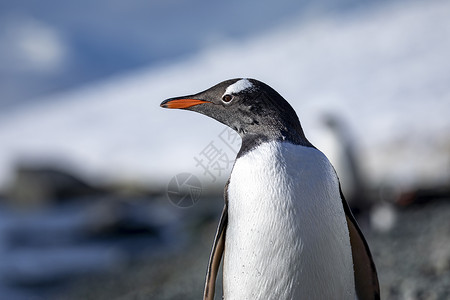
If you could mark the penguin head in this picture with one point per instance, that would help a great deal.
(250, 107)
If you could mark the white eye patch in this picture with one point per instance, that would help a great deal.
(238, 86)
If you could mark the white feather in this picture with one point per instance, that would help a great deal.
(287, 236)
(238, 86)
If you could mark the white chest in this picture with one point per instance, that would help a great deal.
(287, 236)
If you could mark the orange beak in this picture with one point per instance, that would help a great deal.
(181, 103)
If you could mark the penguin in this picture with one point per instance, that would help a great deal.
(286, 231)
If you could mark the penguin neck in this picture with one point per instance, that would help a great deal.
(252, 140)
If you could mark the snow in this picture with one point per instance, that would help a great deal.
(385, 72)
(238, 86)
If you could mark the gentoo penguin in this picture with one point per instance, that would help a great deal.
(345, 161)
(286, 231)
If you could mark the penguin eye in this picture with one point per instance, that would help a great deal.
(227, 98)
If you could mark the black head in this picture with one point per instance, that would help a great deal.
(250, 107)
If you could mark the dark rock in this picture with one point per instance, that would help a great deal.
(36, 185)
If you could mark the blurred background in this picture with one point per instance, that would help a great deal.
(104, 195)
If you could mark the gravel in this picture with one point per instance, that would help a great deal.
(412, 258)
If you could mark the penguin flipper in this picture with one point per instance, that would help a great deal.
(216, 255)
(366, 278)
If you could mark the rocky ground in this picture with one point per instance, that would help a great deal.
(413, 261)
